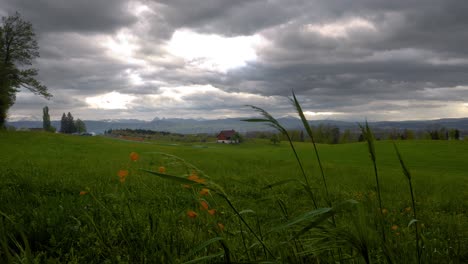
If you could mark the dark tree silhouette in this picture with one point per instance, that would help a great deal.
(18, 49)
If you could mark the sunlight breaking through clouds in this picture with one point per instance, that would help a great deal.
(123, 47)
(113, 100)
(214, 52)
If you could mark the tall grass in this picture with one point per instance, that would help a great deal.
(322, 234)
(308, 129)
(253, 208)
(271, 121)
(369, 137)
(407, 173)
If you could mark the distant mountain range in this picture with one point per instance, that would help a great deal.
(196, 126)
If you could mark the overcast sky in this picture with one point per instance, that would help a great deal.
(346, 60)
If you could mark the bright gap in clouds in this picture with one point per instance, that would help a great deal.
(113, 100)
(310, 113)
(341, 29)
(213, 52)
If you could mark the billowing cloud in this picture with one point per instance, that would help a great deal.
(179, 58)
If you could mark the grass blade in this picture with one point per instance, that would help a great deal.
(202, 246)
(279, 183)
(275, 124)
(309, 132)
(171, 177)
(205, 258)
(407, 173)
(369, 137)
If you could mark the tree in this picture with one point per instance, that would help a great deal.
(46, 119)
(275, 139)
(18, 48)
(454, 134)
(437, 132)
(346, 137)
(80, 126)
(70, 124)
(237, 137)
(63, 124)
(334, 135)
(408, 134)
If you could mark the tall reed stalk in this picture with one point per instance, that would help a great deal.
(271, 121)
(311, 136)
(407, 173)
(369, 136)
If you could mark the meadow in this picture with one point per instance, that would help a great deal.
(72, 199)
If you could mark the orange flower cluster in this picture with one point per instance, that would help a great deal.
(194, 177)
(162, 170)
(134, 156)
(192, 214)
(204, 206)
(122, 175)
(204, 192)
(83, 193)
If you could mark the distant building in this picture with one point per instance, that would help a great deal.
(227, 136)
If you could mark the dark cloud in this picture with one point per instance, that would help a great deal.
(73, 16)
(362, 56)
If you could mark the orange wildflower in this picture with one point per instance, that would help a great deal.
(200, 180)
(187, 186)
(212, 211)
(134, 156)
(221, 226)
(194, 177)
(162, 170)
(83, 193)
(192, 214)
(122, 175)
(204, 191)
(204, 205)
(394, 227)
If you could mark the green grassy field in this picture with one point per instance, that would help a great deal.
(44, 218)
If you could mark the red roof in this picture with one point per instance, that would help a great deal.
(226, 134)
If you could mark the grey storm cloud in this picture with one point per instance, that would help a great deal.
(348, 56)
(72, 16)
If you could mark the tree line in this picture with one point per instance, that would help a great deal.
(330, 134)
(67, 125)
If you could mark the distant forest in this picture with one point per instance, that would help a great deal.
(323, 133)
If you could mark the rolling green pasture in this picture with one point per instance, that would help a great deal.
(45, 219)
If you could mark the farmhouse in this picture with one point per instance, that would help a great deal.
(227, 136)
